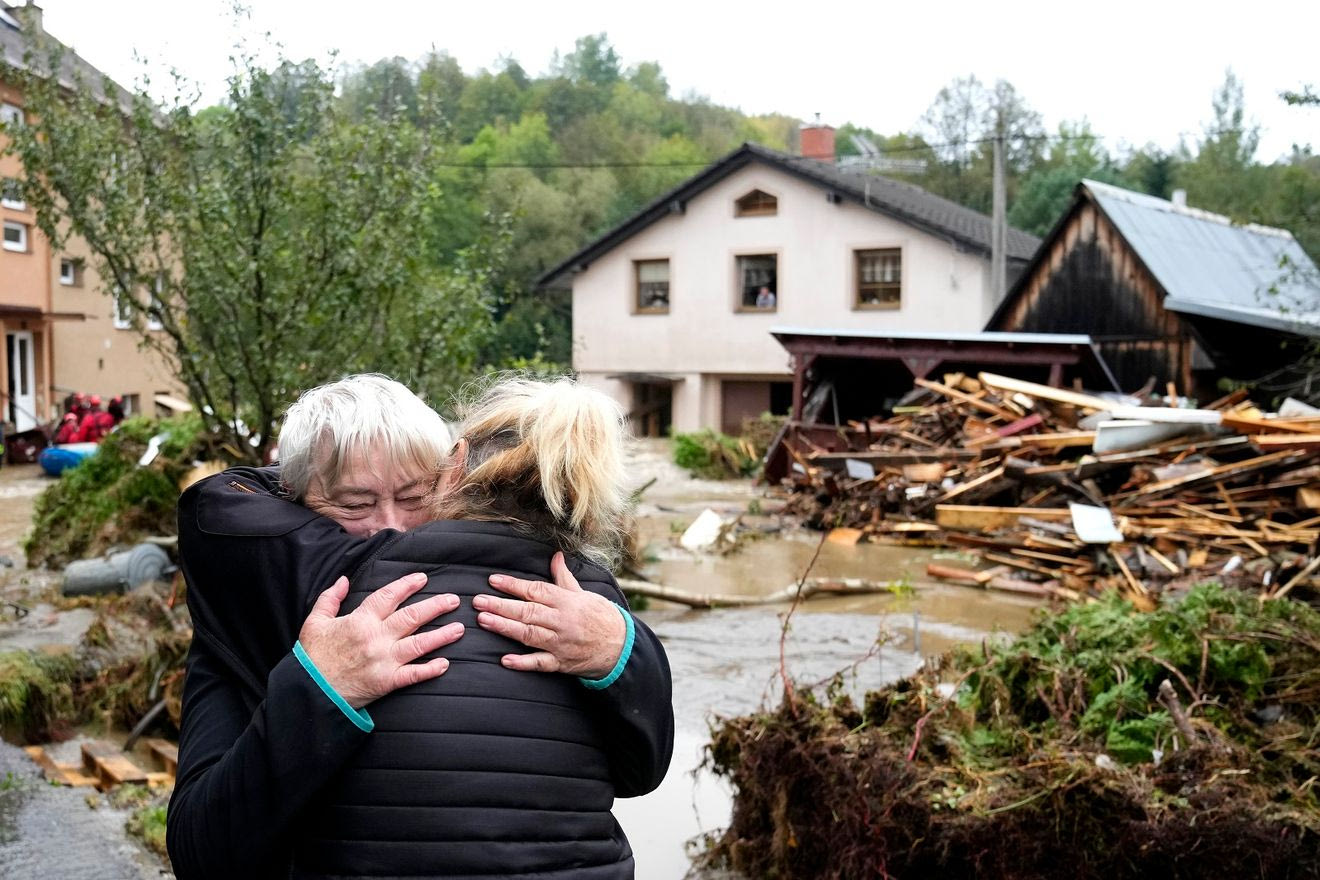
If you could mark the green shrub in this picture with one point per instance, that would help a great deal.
(713, 456)
(108, 499)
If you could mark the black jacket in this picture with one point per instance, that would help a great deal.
(259, 741)
(487, 770)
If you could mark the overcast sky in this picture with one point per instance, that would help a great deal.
(1139, 71)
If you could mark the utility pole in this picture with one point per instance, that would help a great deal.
(998, 220)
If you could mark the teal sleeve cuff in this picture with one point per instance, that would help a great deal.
(600, 684)
(358, 716)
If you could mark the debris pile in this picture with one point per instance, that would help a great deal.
(126, 491)
(1179, 743)
(1063, 493)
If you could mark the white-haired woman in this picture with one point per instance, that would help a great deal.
(490, 769)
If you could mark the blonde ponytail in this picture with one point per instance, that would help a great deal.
(548, 455)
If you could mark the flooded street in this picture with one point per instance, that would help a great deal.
(727, 661)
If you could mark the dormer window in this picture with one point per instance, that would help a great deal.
(756, 203)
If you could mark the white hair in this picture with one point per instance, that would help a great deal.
(368, 411)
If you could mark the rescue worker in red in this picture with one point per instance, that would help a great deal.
(96, 423)
(68, 429)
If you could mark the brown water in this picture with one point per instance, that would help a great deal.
(727, 661)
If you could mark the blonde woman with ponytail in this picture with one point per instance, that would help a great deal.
(556, 699)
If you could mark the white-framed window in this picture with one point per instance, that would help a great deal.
(758, 283)
(70, 272)
(16, 236)
(11, 194)
(652, 277)
(154, 304)
(879, 279)
(123, 309)
(11, 114)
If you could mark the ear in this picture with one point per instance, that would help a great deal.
(452, 471)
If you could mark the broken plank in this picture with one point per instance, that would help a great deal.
(108, 763)
(973, 517)
(1271, 442)
(166, 752)
(61, 774)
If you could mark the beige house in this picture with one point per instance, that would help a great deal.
(58, 320)
(672, 310)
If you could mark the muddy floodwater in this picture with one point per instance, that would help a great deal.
(727, 662)
(724, 662)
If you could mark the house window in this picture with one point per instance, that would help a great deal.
(123, 309)
(11, 114)
(132, 404)
(756, 204)
(154, 308)
(11, 194)
(879, 279)
(758, 280)
(652, 286)
(16, 236)
(70, 272)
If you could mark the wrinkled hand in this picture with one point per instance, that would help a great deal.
(576, 632)
(368, 653)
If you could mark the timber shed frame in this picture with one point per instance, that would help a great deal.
(1169, 293)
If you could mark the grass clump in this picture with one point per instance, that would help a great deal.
(147, 824)
(1055, 749)
(108, 500)
(711, 455)
(36, 695)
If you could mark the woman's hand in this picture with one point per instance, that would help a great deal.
(576, 632)
(368, 653)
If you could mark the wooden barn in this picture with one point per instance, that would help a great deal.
(1169, 293)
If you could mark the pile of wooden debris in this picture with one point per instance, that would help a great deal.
(1064, 493)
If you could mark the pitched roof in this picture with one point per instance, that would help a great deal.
(1207, 264)
(902, 201)
(1210, 266)
(17, 42)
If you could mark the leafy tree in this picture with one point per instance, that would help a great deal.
(385, 89)
(276, 241)
(593, 60)
(1047, 190)
(440, 84)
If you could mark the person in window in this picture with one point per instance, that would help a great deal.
(496, 768)
(765, 298)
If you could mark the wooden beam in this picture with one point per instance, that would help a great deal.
(1044, 392)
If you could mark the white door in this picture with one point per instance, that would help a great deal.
(22, 409)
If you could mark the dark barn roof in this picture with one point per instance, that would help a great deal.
(902, 201)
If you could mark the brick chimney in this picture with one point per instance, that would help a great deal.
(818, 142)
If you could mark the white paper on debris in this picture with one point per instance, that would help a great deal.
(704, 532)
(859, 470)
(1094, 525)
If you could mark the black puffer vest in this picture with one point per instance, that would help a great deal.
(483, 772)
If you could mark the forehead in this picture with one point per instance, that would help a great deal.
(371, 470)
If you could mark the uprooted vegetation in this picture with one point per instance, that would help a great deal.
(1055, 753)
(110, 500)
(710, 455)
(130, 658)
